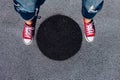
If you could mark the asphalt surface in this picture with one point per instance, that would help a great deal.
(99, 60)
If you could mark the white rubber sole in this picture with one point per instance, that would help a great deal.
(88, 39)
(27, 43)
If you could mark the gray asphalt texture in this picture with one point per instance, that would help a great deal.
(99, 60)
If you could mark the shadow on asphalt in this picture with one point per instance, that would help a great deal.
(59, 37)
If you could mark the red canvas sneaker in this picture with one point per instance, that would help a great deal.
(27, 34)
(89, 31)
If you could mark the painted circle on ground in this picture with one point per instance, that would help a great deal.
(59, 37)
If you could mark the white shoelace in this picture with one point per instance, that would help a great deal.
(28, 32)
(90, 29)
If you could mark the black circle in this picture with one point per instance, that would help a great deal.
(59, 37)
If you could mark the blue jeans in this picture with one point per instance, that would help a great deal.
(91, 7)
(27, 8)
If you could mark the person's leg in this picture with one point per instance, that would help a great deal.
(37, 6)
(28, 9)
(89, 9)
